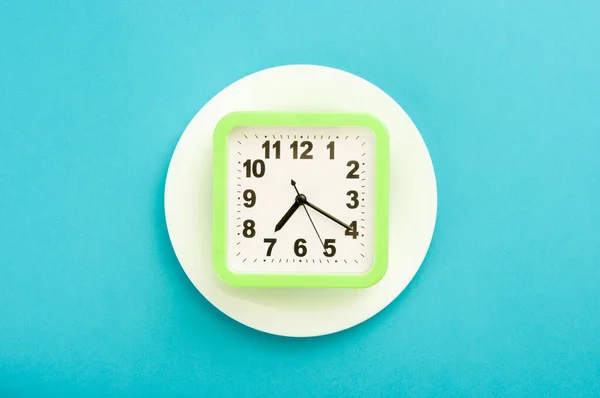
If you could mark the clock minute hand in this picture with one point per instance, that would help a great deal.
(323, 212)
(287, 216)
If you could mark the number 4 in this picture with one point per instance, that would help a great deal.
(352, 231)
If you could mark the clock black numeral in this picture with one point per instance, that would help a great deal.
(353, 170)
(353, 199)
(249, 231)
(304, 144)
(299, 248)
(250, 198)
(331, 147)
(271, 242)
(276, 146)
(256, 168)
(352, 231)
(329, 247)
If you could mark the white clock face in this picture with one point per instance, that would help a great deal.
(276, 227)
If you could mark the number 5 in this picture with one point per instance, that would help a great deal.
(329, 247)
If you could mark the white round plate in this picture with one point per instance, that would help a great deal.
(301, 312)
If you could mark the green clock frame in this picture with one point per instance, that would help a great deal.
(381, 196)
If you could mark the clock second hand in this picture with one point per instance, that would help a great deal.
(303, 201)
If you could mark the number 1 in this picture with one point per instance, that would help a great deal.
(331, 147)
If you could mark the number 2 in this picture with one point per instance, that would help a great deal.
(352, 172)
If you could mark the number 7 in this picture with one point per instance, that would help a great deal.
(271, 242)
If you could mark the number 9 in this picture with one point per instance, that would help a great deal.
(250, 198)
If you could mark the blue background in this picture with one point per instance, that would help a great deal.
(94, 96)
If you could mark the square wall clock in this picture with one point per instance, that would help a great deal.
(300, 199)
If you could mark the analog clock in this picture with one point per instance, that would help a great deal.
(300, 199)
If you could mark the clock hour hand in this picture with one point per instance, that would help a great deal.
(287, 216)
(323, 212)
